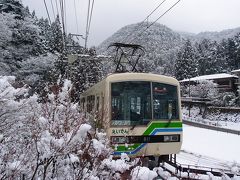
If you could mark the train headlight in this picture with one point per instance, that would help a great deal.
(119, 139)
(171, 138)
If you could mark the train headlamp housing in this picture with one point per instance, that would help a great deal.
(119, 139)
(171, 138)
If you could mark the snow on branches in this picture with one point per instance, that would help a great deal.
(52, 139)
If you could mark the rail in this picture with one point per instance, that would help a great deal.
(183, 171)
(200, 125)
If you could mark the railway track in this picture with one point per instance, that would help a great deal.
(183, 171)
(205, 126)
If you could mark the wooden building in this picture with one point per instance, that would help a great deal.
(225, 82)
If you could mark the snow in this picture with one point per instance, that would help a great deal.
(119, 165)
(210, 77)
(1, 137)
(211, 143)
(224, 120)
(73, 158)
(143, 173)
(82, 132)
(236, 71)
(98, 146)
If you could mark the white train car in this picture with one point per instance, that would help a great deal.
(141, 113)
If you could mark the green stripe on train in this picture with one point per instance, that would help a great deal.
(129, 148)
(148, 131)
(158, 124)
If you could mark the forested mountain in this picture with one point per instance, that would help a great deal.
(159, 41)
(214, 36)
(26, 42)
(181, 55)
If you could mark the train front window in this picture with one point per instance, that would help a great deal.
(131, 103)
(165, 101)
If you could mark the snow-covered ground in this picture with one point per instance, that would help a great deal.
(224, 120)
(199, 160)
(223, 148)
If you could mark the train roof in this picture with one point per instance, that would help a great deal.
(140, 76)
(119, 77)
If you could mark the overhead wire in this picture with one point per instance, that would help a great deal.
(53, 10)
(57, 6)
(65, 15)
(157, 19)
(75, 10)
(86, 34)
(47, 11)
(63, 23)
(139, 25)
(89, 19)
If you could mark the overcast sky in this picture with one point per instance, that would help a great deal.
(110, 15)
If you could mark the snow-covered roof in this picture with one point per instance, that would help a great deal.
(236, 71)
(210, 77)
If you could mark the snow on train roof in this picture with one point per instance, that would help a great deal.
(210, 77)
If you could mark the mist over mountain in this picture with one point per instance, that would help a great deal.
(214, 35)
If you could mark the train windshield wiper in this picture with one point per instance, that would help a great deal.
(133, 127)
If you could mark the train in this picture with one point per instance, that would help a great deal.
(140, 113)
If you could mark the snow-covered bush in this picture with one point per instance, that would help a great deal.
(51, 140)
(204, 89)
(225, 99)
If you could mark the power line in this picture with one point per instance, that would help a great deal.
(65, 15)
(53, 10)
(157, 19)
(62, 14)
(57, 6)
(47, 11)
(76, 15)
(89, 19)
(137, 27)
(63, 23)
(86, 35)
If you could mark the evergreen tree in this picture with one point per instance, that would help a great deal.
(207, 57)
(56, 36)
(15, 7)
(237, 44)
(221, 57)
(231, 53)
(45, 32)
(186, 64)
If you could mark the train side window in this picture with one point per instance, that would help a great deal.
(90, 103)
(97, 103)
(83, 104)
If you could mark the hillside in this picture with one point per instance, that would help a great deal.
(24, 52)
(215, 36)
(162, 44)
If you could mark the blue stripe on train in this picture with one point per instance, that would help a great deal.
(143, 144)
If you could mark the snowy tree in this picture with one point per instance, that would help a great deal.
(207, 57)
(232, 60)
(84, 73)
(56, 36)
(237, 44)
(186, 64)
(204, 89)
(51, 140)
(13, 7)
